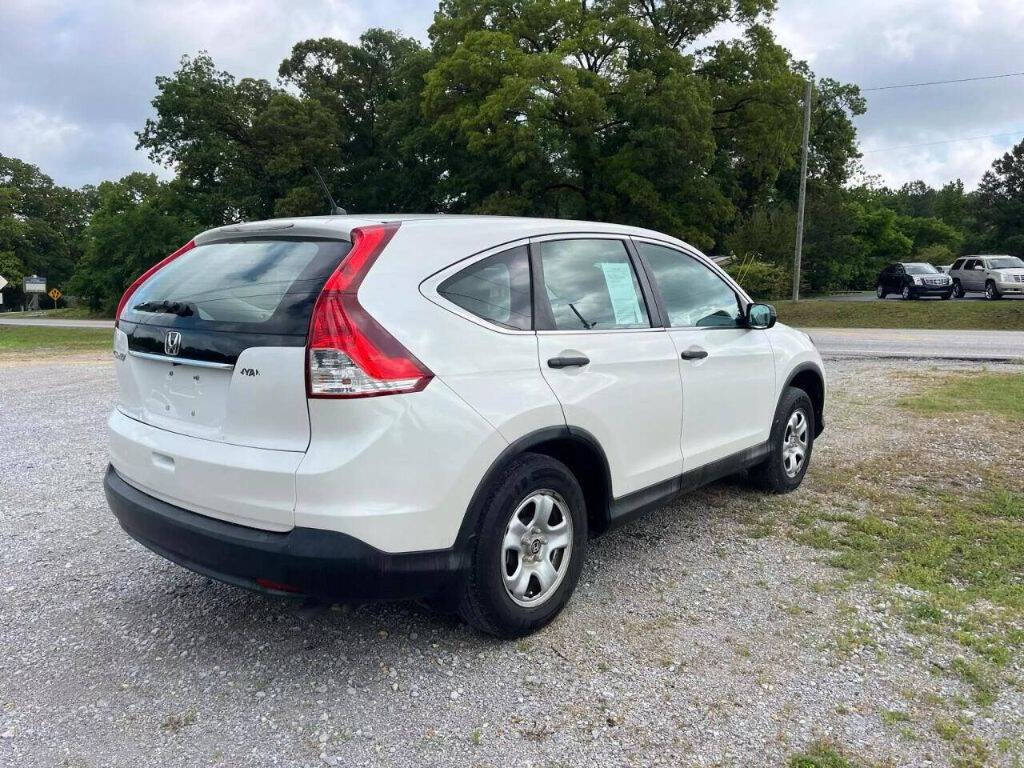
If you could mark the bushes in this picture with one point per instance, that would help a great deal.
(761, 279)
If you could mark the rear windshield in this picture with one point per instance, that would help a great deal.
(1005, 262)
(920, 269)
(250, 286)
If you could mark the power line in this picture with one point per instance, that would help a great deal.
(946, 141)
(943, 82)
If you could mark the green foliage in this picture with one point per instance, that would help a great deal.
(761, 279)
(822, 755)
(978, 315)
(1000, 204)
(40, 226)
(132, 228)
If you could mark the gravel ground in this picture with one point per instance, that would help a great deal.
(688, 642)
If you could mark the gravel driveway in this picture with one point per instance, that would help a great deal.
(689, 642)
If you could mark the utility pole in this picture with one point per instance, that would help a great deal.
(803, 192)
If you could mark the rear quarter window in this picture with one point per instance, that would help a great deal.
(496, 289)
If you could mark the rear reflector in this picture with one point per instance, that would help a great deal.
(276, 586)
(350, 353)
(148, 274)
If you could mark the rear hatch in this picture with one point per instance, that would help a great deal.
(212, 346)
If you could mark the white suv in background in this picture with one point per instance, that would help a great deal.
(439, 407)
(996, 276)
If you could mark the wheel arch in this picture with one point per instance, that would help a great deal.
(810, 378)
(577, 449)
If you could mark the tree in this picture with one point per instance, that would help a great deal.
(999, 204)
(40, 226)
(131, 229)
(384, 159)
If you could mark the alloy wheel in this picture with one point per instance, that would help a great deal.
(536, 549)
(794, 443)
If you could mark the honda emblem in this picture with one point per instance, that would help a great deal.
(172, 343)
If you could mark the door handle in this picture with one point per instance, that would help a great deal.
(694, 353)
(567, 362)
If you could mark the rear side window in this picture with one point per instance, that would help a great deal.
(253, 286)
(496, 289)
(591, 285)
(958, 264)
(694, 296)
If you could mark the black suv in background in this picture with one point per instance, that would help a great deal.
(913, 280)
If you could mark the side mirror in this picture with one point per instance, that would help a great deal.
(978, 267)
(761, 316)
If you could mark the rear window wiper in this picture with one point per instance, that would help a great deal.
(179, 308)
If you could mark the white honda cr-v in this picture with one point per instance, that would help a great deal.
(438, 407)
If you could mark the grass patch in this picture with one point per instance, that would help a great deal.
(998, 394)
(823, 755)
(64, 313)
(46, 340)
(962, 315)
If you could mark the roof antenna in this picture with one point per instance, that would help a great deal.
(335, 209)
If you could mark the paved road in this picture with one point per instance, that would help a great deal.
(56, 322)
(913, 343)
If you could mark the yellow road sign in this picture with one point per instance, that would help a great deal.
(54, 294)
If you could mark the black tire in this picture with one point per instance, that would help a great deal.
(991, 292)
(772, 475)
(906, 293)
(880, 291)
(947, 296)
(958, 290)
(482, 599)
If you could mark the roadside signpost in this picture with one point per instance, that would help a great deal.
(54, 294)
(3, 284)
(34, 285)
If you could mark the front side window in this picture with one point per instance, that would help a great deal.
(971, 264)
(496, 289)
(591, 285)
(694, 296)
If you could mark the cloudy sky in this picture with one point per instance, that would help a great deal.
(76, 78)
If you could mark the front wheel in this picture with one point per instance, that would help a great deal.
(529, 548)
(880, 291)
(789, 445)
(958, 290)
(906, 293)
(991, 292)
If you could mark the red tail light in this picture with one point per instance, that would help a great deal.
(349, 353)
(148, 274)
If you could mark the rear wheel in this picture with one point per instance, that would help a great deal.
(789, 445)
(958, 290)
(991, 292)
(880, 291)
(529, 548)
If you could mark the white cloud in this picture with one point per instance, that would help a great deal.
(76, 79)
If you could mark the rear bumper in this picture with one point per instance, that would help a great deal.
(323, 564)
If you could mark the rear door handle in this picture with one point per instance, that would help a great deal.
(567, 362)
(694, 353)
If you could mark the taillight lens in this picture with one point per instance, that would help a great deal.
(148, 274)
(350, 353)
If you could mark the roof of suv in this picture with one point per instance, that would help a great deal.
(501, 227)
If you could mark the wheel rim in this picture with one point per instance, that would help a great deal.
(990, 291)
(794, 443)
(878, 291)
(906, 292)
(537, 547)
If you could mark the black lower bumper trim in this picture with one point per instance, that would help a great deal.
(324, 564)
